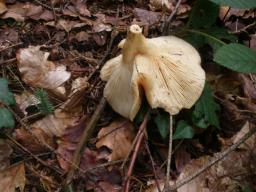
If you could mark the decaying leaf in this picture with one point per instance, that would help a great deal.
(5, 152)
(228, 175)
(44, 130)
(26, 100)
(118, 137)
(3, 7)
(75, 98)
(66, 25)
(147, 17)
(21, 11)
(12, 178)
(37, 71)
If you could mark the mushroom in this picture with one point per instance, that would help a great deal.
(166, 69)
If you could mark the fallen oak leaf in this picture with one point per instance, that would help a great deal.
(118, 137)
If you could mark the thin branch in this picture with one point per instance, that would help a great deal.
(219, 157)
(166, 24)
(153, 166)
(34, 156)
(135, 153)
(167, 185)
(84, 138)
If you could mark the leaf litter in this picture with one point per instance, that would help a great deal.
(62, 47)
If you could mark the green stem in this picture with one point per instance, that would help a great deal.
(206, 35)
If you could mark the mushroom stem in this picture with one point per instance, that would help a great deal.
(135, 44)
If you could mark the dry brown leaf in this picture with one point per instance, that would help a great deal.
(55, 125)
(79, 86)
(101, 24)
(66, 25)
(147, 17)
(82, 8)
(227, 175)
(3, 7)
(5, 152)
(25, 100)
(21, 11)
(36, 70)
(12, 178)
(159, 4)
(118, 137)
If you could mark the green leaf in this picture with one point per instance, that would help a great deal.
(6, 118)
(162, 121)
(212, 36)
(207, 109)
(45, 106)
(236, 57)
(6, 96)
(203, 14)
(183, 131)
(247, 188)
(240, 4)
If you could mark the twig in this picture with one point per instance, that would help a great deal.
(14, 45)
(34, 156)
(153, 166)
(166, 24)
(135, 152)
(167, 185)
(7, 61)
(84, 138)
(244, 28)
(219, 157)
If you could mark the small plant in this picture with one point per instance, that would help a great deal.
(45, 106)
(6, 99)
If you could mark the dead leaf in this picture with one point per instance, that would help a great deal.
(228, 175)
(12, 178)
(26, 100)
(3, 7)
(66, 25)
(82, 36)
(34, 140)
(182, 157)
(5, 152)
(248, 85)
(79, 86)
(55, 125)
(147, 17)
(82, 8)
(101, 24)
(37, 71)
(156, 5)
(100, 38)
(118, 137)
(9, 35)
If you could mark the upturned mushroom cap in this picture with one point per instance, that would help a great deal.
(167, 69)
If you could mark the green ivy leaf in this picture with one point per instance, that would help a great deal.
(203, 14)
(162, 121)
(240, 4)
(236, 57)
(183, 131)
(206, 108)
(6, 96)
(6, 118)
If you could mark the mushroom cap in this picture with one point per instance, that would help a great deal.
(167, 69)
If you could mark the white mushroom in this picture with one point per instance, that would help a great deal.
(166, 69)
